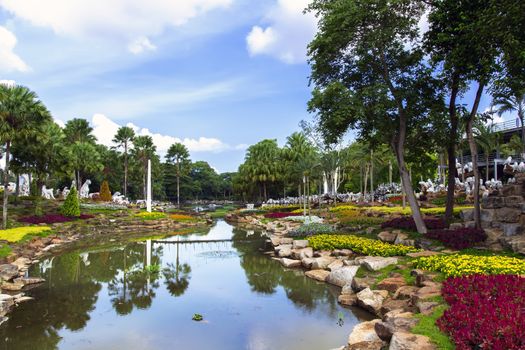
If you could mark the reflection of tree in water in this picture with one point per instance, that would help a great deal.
(70, 295)
(264, 275)
(177, 278)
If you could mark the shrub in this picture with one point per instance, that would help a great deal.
(155, 215)
(359, 245)
(105, 194)
(408, 223)
(400, 210)
(71, 206)
(460, 238)
(361, 220)
(280, 215)
(442, 200)
(311, 229)
(182, 217)
(51, 219)
(305, 219)
(280, 208)
(456, 265)
(18, 233)
(486, 312)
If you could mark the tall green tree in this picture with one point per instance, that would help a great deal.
(79, 130)
(370, 74)
(124, 136)
(20, 114)
(262, 164)
(178, 154)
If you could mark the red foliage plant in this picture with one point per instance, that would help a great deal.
(461, 238)
(408, 223)
(52, 218)
(279, 215)
(486, 312)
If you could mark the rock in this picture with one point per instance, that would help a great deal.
(29, 280)
(307, 262)
(319, 275)
(512, 229)
(468, 214)
(322, 262)
(371, 300)
(342, 252)
(405, 292)
(347, 289)
(13, 287)
(364, 337)
(408, 341)
(322, 253)
(275, 240)
(299, 244)
(302, 253)
(22, 263)
(426, 307)
(421, 254)
(392, 284)
(395, 321)
(342, 276)
(393, 304)
(286, 240)
(6, 303)
(358, 284)
(401, 237)
(370, 230)
(426, 293)
(8, 272)
(375, 263)
(508, 214)
(387, 236)
(22, 299)
(284, 250)
(456, 226)
(347, 299)
(290, 263)
(336, 264)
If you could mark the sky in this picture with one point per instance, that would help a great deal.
(216, 75)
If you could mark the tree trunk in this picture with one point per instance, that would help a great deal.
(522, 117)
(265, 194)
(487, 166)
(17, 192)
(451, 148)
(125, 169)
(6, 184)
(474, 153)
(372, 175)
(178, 183)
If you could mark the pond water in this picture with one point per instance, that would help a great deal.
(108, 298)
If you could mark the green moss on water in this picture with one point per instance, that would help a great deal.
(427, 327)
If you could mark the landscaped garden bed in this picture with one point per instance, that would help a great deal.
(52, 218)
(358, 244)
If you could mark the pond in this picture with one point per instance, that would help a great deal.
(143, 295)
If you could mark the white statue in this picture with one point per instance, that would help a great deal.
(24, 185)
(119, 198)
(47, 193)
(84, 190)
(65, 192)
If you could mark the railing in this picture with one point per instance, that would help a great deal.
(506, 125)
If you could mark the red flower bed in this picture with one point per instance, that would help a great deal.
(279, 215)
(407, 223)
(52, 218)
(486, 312)
(458, 239)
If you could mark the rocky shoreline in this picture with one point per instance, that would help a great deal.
(394, 302)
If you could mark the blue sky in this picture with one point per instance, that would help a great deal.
(217, 75)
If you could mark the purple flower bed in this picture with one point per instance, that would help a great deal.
(486, 312)
(458, 239)
(52, 218)
(279, 215)
(407, 223)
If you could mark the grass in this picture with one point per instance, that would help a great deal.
(19, 233)
(5, 250)
(427, 327)
(391, 269)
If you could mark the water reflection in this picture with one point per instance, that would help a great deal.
(135, 295)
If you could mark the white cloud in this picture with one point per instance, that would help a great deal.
(140, 45)
(288, 33)
(9, 61)
(8, 83)
(123, 19)
(105, 129)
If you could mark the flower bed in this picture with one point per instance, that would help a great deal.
(456, 265)
(52, 218)
(359, 245)
(280, 208)
(18, 233)
(154, 215)
(182, 217)
(486, 312)
(305, 219)
(280, 215)
(460, 238)
(408, 223)
(400, 210)
(311, 229)
(361, 220)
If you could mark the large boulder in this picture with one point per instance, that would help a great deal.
(336, 264)
(375, 263)
(290, 263)
(372, 300)
(364, 337)
(358, 283)
(393, 304)
(347, 299)
(430, 290)
(302, 253)
(392, 283)
(342, 276)
(387, 236)
(409, 341)
(6, 303)
(395, 321)
(300, 243)
(405, 292)
(8, 272)
(319, 275)
(307, 262)
(322, 262)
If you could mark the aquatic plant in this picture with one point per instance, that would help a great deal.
(197, 317)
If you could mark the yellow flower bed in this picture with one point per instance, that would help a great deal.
(399, 210)
(182, 217)
(462, 264)
(16, 234)
(155, 215)
(358, 244)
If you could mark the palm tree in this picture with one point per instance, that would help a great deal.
(262, 164)
(20, 113)
(297, 149)
(124, 136)
(79, 130)
(488, 140)
(143, 149)
(178, 154)
(509, 102)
